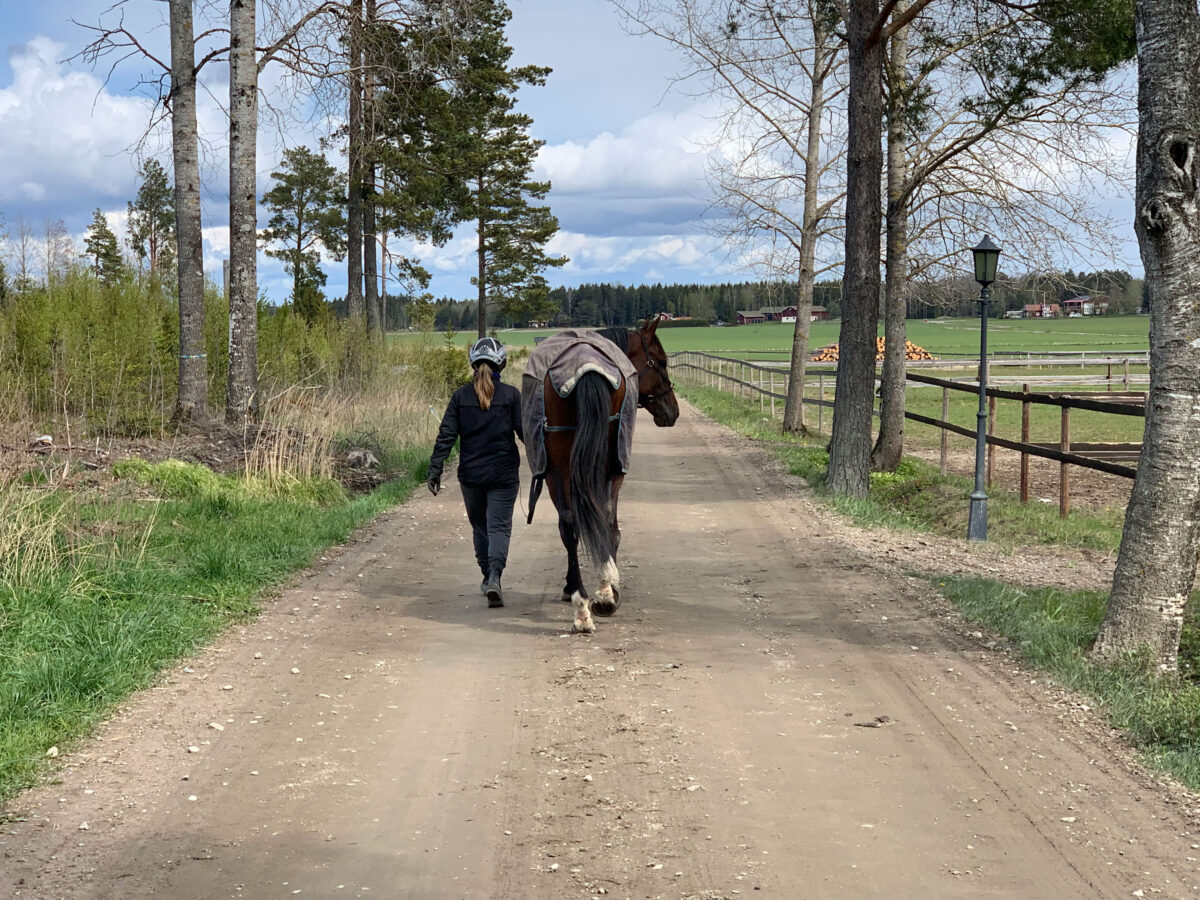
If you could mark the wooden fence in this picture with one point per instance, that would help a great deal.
(769, 383)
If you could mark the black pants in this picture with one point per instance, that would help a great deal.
(490, 511)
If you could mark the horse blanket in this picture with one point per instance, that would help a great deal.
(565, 357)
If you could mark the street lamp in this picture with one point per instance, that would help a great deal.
(987, 255)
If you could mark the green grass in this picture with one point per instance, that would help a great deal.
(941, 337)
(138, 584)
(914, 497)
(1053, 629)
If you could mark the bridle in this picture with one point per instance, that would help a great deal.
(645, 400)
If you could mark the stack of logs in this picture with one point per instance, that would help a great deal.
(911, 351)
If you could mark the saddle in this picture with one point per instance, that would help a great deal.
(564, 358)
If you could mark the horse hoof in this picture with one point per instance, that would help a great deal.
(566, 597)
(602, 607)
(589, 628)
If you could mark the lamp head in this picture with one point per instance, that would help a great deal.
(987, 257)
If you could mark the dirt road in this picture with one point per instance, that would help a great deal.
(379, 733)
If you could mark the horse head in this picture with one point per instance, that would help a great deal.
(654, 384)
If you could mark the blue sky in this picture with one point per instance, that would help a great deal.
(623, 151)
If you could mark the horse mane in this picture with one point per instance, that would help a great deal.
(619, 336)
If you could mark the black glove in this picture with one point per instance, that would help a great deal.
(435, 483)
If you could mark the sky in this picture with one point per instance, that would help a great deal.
(624, 150)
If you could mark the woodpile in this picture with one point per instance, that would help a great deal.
(911, 351)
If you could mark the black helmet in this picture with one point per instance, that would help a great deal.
(488, 349)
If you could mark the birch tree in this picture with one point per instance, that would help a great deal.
(1156, 565)
(191, 401)
(968, 138)
(241, 392)
(773, 169)
(174, 84)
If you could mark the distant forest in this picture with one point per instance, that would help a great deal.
(604, 305)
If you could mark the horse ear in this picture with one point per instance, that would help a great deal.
(650, 327)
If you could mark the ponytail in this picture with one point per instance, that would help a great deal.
(485, 386)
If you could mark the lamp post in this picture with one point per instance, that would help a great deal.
(987, 255)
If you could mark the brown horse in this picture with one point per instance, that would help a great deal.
(582, 466)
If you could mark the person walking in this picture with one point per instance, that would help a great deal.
(484, 415)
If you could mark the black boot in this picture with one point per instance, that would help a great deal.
(483, 584)
(492, 587)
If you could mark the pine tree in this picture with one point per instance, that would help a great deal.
(498, 157)
(101, 246)
(418, 194)
(152, 219)
(308, 206)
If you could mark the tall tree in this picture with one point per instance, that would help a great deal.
(307, 202)
(1156, 565)
(152, 218)
(22, 254)
(56, 250)
(241, 392)
(511, 229)
(985, 105)
(191, 404)
(354, 150)
(777, 64)
(101, 246)
(370, 249)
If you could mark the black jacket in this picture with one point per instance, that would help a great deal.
(488, 454)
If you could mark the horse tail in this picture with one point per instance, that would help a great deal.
(591, 501)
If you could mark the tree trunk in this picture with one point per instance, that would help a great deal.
(370, 258)
(241, 393)
(1156, 565)
(191, 404)
(889, 446)
(853, 402)
(354, 201)
(481, 277)
(793, 410)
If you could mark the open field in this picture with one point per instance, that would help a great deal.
(959, 336)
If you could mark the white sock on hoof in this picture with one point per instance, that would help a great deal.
(583, 615)
(609, 574)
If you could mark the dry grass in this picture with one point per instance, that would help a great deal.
(304, 433)
(29, 526)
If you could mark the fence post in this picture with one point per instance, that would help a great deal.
(991, 430)
(1025, 440)
(772, 395)
(1108, 379)
(945, 433)
(821, 405)
(761, 397)
(1064, 477)
(1126, 374)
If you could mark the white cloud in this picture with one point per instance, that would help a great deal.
(64, 135)
(595, 254)
(657, 155)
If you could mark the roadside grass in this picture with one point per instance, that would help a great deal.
(104, 586)
(99, 594)
(915, 496)
(1053, 629)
